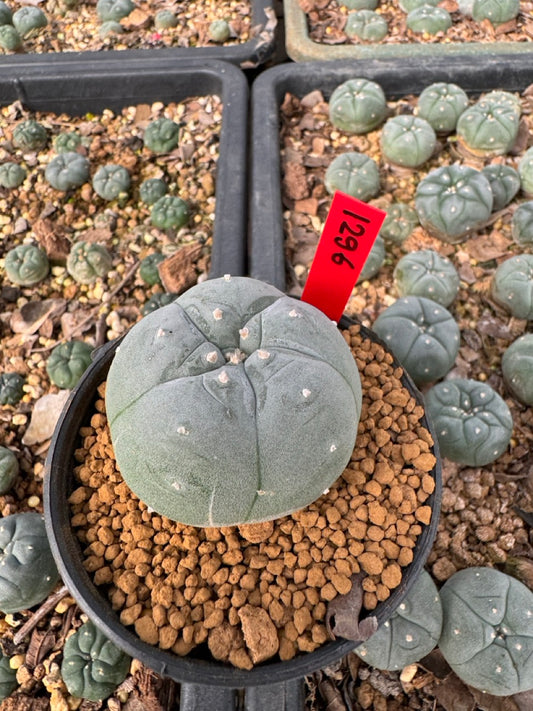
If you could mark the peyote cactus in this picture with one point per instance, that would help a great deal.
(504, 183)
(92, 665)
(162, 135)
(452, 201)
(428, 19)
(67, 170)
(12, 175)
(87, 261)
(427, 273)
(157, 301)
(111, 181)
(67, 362)
(67, 142)
(148, 270)
(525, 171)
(496, 11)
(219, 31)
(504, 97)
(26, 264)
(517, 368)
(9, 469)
(487, 632)
(411, 632)
(522, 224)
(353, 173)
(422, 334)
(220, 392)
(110, 27)
(374, 261)
(113, 10)
(512, 286)
(8, 677)
(10, 40)
(407, 140)
(6, 15)
(472, 422)
(401, 220)
(366, 25)
(165, 20)
(11, 391)
(151, 190)
(28, 572)
(169, 212)
(30, 135)
(357, 106)
(409, 5)
(489, 127)
(28, 20)
(360, 4)
(441, 104)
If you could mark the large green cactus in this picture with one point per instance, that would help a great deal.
(366, 25)
(429, 20)
(504, 182)
(152, 189)
(512, 286)
(148, 270)
(169, 212)
(353, 173)
(6, 15)
(489, 127)
(87, 261)
(26, 265)
(161, 135)
(517, 368)
(28, 20)
(113, 10)
(400, 222)
(233, 404)
(441, 104)
(407, 140)
(522, 224)
(30, 135)
(10, 40)
(165, 19)
(496, 11)
(429, 274)
(357, 106)
(67, 362)
(67, 142)
(408, 5)
(219, 31)
(67, 170)
(487, 632)
(111, 181)
(12, 175)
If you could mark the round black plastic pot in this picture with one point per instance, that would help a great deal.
(60, 482)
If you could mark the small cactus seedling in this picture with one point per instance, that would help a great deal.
(111, 181)
(30, 135)
(401, 220)
(489, 127)
(423, 336)
(353, 173)
(169, 212)
(374, 261)
(28, 20)
(11, 391)
(67, 171)
(28, 572)
(110, 27)
(10, 40)
(67, 362)
(496, 11)
(410, 5)
(156, 301)
(67, 142)
(411, 632)
(525, 171)
(441, 104)
(26, 265)
(8, 677)
(12, 175)
(522, 224)
(452, 201)
(472, 422)
(427, 273)
(219, 31)
(165, 20)
(357, 106)
(148, 270)
(87, 261)
(504, 183)
(92, 665)
(517, 368)
(366, 25)
(407, 140)
(512, 286)
(6, 16)
(151, 190)
(360, 4)
(429, 20)
(162, 135)
(220, 392)
(9, 469)
(113, 10)
(487, 631)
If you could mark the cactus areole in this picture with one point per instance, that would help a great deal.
(232, 404)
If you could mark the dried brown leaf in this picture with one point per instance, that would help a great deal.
(342, 616)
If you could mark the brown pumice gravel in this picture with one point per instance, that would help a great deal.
(254, 591)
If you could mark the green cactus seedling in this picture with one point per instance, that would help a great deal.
(489, 127)
(504, 182)
(353, 173)
(12, 175)
(428, 19)
(148, 270)
(6, 15)
(218, 393)
(28, 573)
(165, 20)
(92, 665)
(401, 220)
(487, 632)
(10, 40)
(28, 20)
(8, 677)
(496, 11)
(162, 135)
(407, 140)
(410, 5)
(156, 301)
(151, 190)
(374, 261)
(169, 212)
(366, 26)
(441, 104)
(426, 273)
(525, 171)
(411, 632)
(11, 391)
(111, 181)
(422, 334)
(453, 201)
(512, 286)
(219, 31)
(113, 10)
(67, 362)
(87, 261)
(9, 469)
(522, 224)
(67, 171)
(517, 368)
(67, 142)
(26, 265)
(110, 27)
(357, 106)
(360, 4)
(30, 135)
(472, 422)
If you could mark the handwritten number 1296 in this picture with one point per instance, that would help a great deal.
(347, 239)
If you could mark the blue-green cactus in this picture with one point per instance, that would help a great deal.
(110, 27)
(111, 181)
(28, 20)
(525, 171)
(88, 261)
(355, 174)
(165, 20)
(366, 25)
(162, 135)
(148, 270)
(67, 170)
(28, 573)
(522, 224)
(152, 189)
(441, 104)
(374, 261)
(428, 19)
(12, 175)
(67, 362)
(357, 106)
(220, 391)
(411, 632)
(8, 677)
(26, 265)
(11, 391)
(67, 142)
(429, 274)
(113, 10)
(10, 40)
(9, 469)
(92, 665)
(30, 135)
(512, 286)
(453, 201)
(6, 15)
(219, 31)
(360, 4)
(423, 335)
(169, 212)
(489, 127)
(156, 301)
(407, 140)
(487, 631)
(472, 422)
(501, 96)
(504, 182)
(496, 11)
(409, 5)
(517, 368)
(400, 222)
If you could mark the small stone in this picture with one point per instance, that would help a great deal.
(45, 415)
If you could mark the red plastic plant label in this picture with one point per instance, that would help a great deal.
(350, 231)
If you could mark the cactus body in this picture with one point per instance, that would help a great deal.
(113, 10)
(426, 273)
(10, 39)
(67, 142)
(407, 140)
(151, 190)
(67, 362)
(28, 572)
(360, 4)
(496, 11)
(8, 678)
(6, 16)
(165, 20)
(366, 25)
(156, 302)
(374, 261)
(92, 665)
(522, 224)
(219, 393)
(161, 135)
(487, 633)
(28, 19)
(355, 174)
(525, 171)
(169, 212)
(428, 19)
(67, 170)
(12, 175)
(517, 368)
(441, 104)
(87, 261)
(26, 264)
(512, 286)
(357, 106)
(11, 388)
(422, 334)
(111, 181)
(472, 422)
(504, 182)
(148, 270)
(409, 5)
(489, 127)
(30, 135)
(110, 27)
(452, 201)
(9, 469)
(400, 222)
(219, 31)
